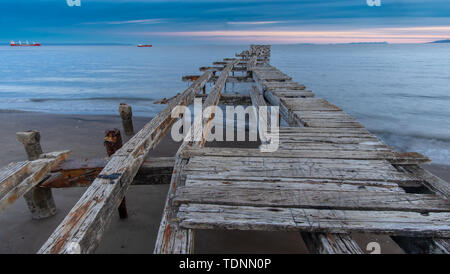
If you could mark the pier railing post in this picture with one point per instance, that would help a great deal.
(127, 118)
(113, 142)
(39, 200)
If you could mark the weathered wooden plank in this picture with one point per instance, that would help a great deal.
(12, 174)
(251, 63)
(300, 134)
(206, 216)
(295, 130)
(327, 123)
(24, 176)
(300, 153)
(258, 101)
(293, 198)
(286, 184)
(325, 174)
(392, 157)
(435, 183)
(284, 167)
(233, 99)
(86, 222)
(316, 114)
(212, 101)
(271, 75)
(418, 245)
(294, 94)
(230, 179)
(172, 238)
(284, 111)
(309, 104)
(282, 85)
(220, 68)
(330, 140)
(293, 162)
(366, 146)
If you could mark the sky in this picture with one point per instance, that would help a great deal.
(224, 22)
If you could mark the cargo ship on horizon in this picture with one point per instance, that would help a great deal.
(144, 46)
(14, 44)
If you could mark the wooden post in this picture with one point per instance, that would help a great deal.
(113, 142)
(126, 114)
(39, 200)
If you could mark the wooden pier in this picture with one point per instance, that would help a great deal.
(330, 176)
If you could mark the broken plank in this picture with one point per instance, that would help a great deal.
(433, 182)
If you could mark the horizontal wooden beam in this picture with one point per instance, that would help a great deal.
(207, 216)
(81, 173)
(291, 198)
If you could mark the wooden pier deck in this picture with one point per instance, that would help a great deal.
(328, 178)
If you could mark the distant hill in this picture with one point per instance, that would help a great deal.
(368, 43)
(441, 41)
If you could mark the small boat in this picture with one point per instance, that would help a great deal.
(14, 44)
(144, 46)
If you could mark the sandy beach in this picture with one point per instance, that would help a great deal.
(83, 135)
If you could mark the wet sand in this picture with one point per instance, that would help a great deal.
(137, 234)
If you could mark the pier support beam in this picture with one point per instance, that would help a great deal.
(113, 142)
(127, 118)
(327, 243)
(39, 200)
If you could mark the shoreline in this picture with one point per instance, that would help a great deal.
(83, 134)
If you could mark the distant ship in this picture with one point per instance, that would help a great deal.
(144, 46)
(13, 44)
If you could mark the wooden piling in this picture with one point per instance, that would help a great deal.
(127, 118)
(39, 200)
(113, 142)
(31, 141)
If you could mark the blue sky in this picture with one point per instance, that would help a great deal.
(229, 22)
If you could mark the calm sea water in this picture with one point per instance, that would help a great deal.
(399, 92)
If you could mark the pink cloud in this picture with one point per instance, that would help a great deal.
(391, 35)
